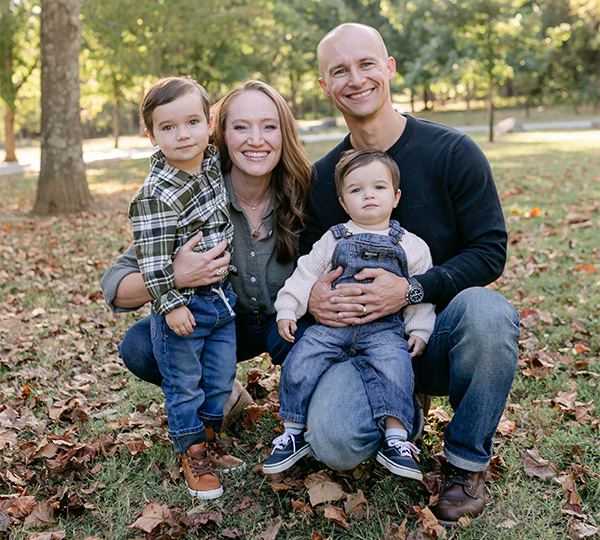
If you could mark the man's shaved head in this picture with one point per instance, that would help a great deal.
(344, 29)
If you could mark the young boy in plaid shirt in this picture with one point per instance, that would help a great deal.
(193, 333)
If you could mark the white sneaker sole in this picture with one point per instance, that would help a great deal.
(285, 465)
(206, 495)
(400, 471)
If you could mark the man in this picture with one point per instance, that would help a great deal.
(449, 199)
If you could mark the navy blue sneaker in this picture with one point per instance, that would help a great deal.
(397, 457)
(287, 449)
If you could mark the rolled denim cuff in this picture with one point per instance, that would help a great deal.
(466, 464)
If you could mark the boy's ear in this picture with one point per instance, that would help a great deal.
(342, 203)
(152, 139)
(397, 198)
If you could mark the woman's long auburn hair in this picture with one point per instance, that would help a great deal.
(290, 179)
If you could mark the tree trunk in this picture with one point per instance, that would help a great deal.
(62, 185)
(9, 132)
(491, 111)
(469, 118)
(117, 113)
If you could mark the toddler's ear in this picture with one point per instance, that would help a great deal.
(397, 198)
(342, 203)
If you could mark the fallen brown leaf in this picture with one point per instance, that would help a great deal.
(272, 530)
(337, 515)
(535, 465)
(322, 489)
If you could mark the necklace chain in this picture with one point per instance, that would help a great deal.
(252, 205)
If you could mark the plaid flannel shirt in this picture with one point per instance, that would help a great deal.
(166, 212)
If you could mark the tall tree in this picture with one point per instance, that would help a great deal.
(62, 186)
(17, 24)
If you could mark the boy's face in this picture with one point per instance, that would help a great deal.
(181, 131)
(369, 196)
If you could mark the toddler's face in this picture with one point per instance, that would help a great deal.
(181, 131)
(369, 196)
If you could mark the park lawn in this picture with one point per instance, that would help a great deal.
(85, 447)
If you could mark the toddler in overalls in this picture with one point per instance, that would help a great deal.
(368, 185)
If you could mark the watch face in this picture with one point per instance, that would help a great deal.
(415, 294)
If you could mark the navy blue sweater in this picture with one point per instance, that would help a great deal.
(449, 199)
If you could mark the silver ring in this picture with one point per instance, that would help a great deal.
(221, 271)
(365, 313)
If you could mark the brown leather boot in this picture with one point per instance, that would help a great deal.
(462, 494)
(219, 458)
(199, 475)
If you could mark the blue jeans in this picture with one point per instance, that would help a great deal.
(379, 352)
(198, 370)
(471, 356)
(255, 334)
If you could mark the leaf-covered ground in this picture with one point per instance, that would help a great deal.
(84, 445)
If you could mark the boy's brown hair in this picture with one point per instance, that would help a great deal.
(165, 91)
(353, 159)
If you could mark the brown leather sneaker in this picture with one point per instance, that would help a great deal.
(462, 494)
(199, 475)
(220, 459)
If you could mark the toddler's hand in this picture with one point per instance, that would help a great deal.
(287, 329)
(416, 346)
(181, 321)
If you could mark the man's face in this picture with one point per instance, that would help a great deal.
(355, 71)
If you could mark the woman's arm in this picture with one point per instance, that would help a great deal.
(131, 292)
(124, 288)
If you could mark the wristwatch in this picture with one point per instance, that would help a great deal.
(415, 292)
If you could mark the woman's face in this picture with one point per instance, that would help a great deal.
(253, 134)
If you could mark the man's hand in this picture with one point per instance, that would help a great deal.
(384, 296)
(321, 303)
(287, 328)
(181, 321)
(416, 346)
(199, 269)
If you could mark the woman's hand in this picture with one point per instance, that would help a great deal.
(199, 269)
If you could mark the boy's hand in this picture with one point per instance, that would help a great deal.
(181, 321)
(416, 346)
(287, 328)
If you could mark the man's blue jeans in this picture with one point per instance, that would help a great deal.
(471, 356)
(198, 370)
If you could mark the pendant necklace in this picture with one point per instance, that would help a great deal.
(255, 230)
(253, 205)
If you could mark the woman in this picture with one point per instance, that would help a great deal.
(267, 177)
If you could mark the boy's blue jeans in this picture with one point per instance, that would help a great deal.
(197, 370)
(378, 351)
(471, 356)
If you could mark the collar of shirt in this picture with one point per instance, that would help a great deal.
(211, 167)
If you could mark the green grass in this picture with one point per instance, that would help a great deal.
(58, 342)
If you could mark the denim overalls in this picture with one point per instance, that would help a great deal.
(377, 349)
